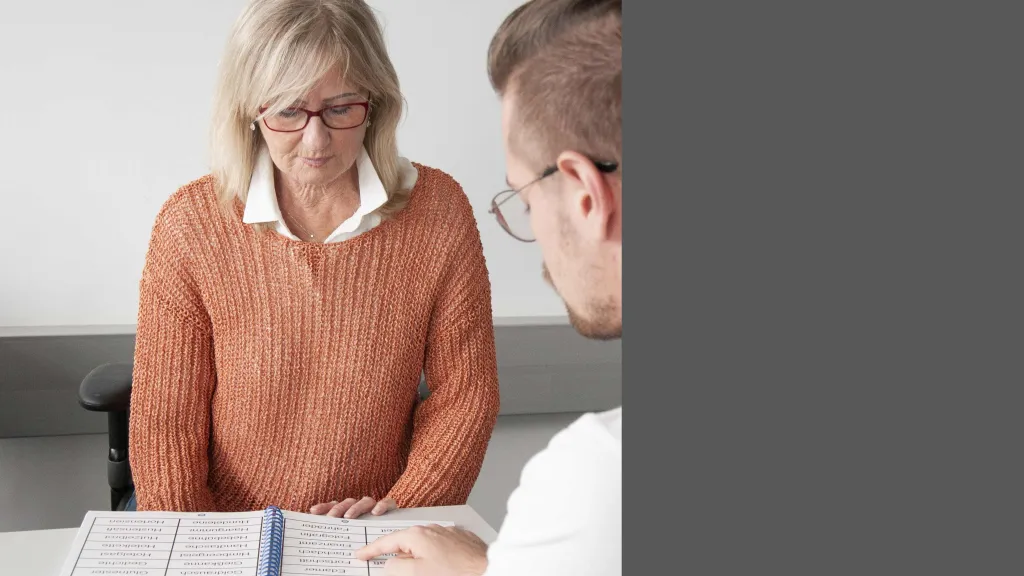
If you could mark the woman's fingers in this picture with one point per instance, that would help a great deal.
(322, 507)
(352, 508)
(384, 506)
(360, 508)
(340, 508)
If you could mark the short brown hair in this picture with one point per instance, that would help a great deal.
(562, 60)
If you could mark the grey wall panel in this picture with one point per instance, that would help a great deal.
(542, 368)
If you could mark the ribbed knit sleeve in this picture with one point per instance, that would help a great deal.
(453, 425)
(173, 380)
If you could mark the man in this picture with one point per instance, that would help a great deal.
(557, 65)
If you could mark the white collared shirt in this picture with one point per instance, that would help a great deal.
(580, 470)
(261, 202)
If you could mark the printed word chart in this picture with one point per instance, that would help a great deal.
(128, 544)
(272, 542)
(326, 546)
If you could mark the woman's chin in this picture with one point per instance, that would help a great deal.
(313, 174)
(306, 176)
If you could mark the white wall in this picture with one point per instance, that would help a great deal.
(104, 113)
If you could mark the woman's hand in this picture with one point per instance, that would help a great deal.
(352, 508)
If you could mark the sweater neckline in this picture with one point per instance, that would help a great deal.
(351, 243)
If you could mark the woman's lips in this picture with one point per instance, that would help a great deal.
(315, 162)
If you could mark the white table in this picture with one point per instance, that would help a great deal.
(42, 552)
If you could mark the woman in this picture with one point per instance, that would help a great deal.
(291, 300)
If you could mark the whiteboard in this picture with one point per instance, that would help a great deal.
(79, 198)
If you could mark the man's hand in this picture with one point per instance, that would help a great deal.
(352, 508)
(429, 551)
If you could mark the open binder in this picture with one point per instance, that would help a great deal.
(271, 542)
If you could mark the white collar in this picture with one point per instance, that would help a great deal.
(261, 202)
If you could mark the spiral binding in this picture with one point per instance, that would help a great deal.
(272, 543)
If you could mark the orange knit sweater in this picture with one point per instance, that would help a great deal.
(272, 371)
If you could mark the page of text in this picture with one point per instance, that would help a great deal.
(166, 544)
(326, 546)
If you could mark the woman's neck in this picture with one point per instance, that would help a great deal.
(317, 210)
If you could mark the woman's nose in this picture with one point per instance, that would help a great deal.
(315, 134)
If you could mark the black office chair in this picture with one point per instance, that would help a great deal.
(108, 389)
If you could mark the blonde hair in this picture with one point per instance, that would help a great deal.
(277, 52)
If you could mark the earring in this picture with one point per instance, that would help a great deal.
(252, 126)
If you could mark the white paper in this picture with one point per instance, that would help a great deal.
(222, 544)
(166, 544)
(326, 546)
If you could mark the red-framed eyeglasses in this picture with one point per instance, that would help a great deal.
(337, 117)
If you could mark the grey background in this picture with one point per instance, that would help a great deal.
(838, 187)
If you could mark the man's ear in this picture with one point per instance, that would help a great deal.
(591, 203)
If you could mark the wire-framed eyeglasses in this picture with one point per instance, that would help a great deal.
(515, 218)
